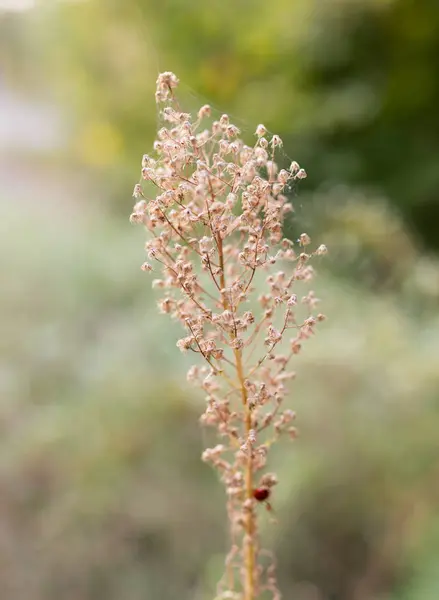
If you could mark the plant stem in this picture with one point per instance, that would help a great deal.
(248, 543)
(249, 549)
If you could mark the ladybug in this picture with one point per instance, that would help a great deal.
(261, 494)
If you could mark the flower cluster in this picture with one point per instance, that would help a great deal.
(215, 209)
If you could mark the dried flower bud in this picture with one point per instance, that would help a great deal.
(205, 111)
(268, 480)
(288, 415)
(205, 244)
(137, 192)
(321, 250)
(248, 317)
(232, 131)
(192, 374)
(165, 83)
(237, 343)
(283, 176)
(274, 335)
(276, 141)
(295, 346)
(211, 454)
(293, 432)
(304, 239)
(260, 130)
(247, 505)
(185, 343)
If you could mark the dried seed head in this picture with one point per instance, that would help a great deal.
(301, 174)
(216, 227)
(304, 239)
(260, 130)
(205, 111)
(268, 480)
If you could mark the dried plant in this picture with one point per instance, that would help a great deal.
(216, 221)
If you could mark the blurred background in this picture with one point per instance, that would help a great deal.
(102, 491)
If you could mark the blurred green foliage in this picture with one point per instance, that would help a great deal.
(103, 494)
(352, 87)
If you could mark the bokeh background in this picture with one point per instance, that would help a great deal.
(102, 492)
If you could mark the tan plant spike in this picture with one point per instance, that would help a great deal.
(214, 209)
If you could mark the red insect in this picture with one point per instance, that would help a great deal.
(261, 494)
